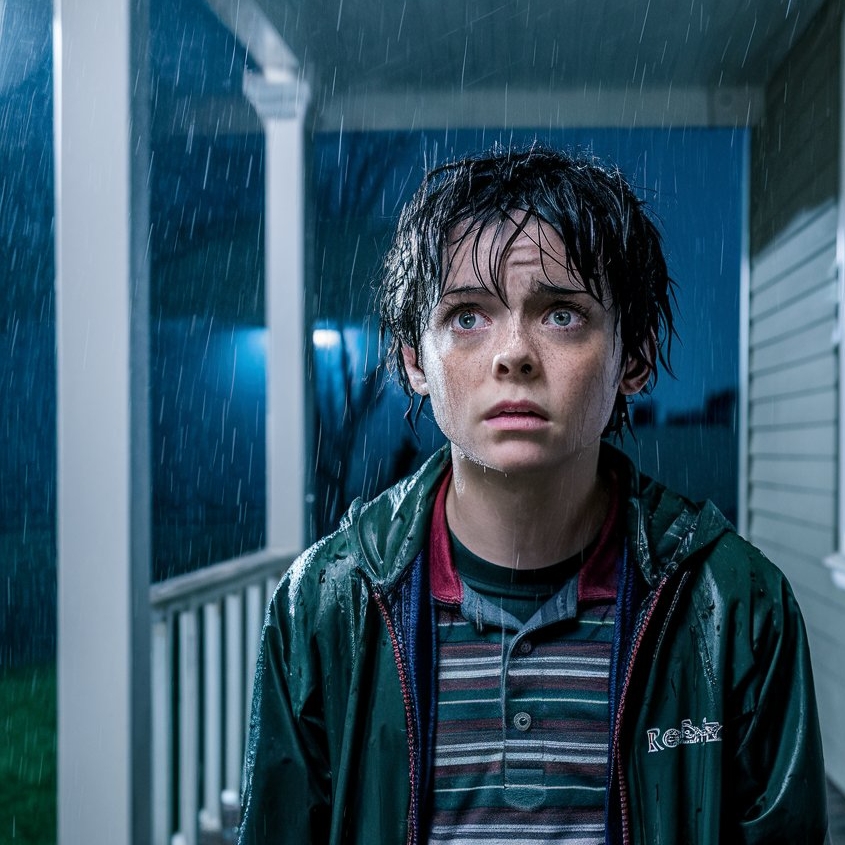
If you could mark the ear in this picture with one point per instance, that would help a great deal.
(416, 376)
(634, 377)
(637, 371)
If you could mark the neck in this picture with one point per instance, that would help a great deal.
(526, 521)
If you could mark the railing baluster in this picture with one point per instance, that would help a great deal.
(235, 686)
(162, 727)
(233, 596)
(212, 715)
(189, 716)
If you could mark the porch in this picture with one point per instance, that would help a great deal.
(154, 678)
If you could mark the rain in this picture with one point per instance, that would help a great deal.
(694, 105)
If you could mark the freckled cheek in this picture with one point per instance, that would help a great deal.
(589, 382)
(452, 385)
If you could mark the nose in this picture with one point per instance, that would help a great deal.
(516, 356)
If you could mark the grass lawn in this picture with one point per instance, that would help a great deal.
(28, 755)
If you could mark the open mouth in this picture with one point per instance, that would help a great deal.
(519, 414)
(520, 417)
(517, 410)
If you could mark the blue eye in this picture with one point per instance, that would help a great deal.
(466, 319)
(561, 317)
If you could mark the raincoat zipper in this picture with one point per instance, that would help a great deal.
(617, 761)
(409, 715)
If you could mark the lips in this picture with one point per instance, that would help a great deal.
(521, 416)
(516, 409)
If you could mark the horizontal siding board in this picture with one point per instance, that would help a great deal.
(818, 440)
(808, 539)
(809, 407)
(823, 621)
(808, 342)
(817, 270)
(800, 378)
(813, 185)
(814, 581)
(825, 652)
(810, 236)
(809, 507)
(794, 563)
(830, 694)
(816, 181)
(810, 309)
(812, 584)
(822, 614)
(812, 474)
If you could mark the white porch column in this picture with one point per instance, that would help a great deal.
(281, 99)
(103, 466)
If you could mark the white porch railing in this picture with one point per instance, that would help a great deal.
(205, 635)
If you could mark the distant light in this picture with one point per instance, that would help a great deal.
(326, 338)
(246, 353)
(254, 340)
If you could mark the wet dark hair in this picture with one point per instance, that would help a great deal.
(611, 244)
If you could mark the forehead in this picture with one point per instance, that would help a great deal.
(487, 252)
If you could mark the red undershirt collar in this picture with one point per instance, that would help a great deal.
(596, 578)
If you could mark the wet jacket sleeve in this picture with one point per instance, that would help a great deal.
(777, 777)
(286, 780)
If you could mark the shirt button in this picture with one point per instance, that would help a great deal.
(522, 721)
(525, 647)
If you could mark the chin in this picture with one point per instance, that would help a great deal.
(516, 460)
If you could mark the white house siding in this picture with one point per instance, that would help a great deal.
(793, 400)
(795, 149)
(793, 383)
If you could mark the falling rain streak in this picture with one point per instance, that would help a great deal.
(395, 89)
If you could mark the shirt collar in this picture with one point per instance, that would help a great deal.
(596, 578)
(445, 583)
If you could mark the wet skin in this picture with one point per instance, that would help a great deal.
(523, 389)
(526, 385)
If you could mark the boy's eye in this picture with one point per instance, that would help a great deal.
(561, 317)
(466, 320)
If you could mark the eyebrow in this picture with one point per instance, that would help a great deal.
(471, 289)
(557, 290)
(539, 287)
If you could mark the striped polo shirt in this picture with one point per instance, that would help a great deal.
(521, 745)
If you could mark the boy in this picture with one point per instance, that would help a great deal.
(526, 641)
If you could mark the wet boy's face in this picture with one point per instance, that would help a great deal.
(526, 386)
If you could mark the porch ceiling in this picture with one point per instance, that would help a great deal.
(397, 45)
(377, 64)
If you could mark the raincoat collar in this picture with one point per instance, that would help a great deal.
(663, 529)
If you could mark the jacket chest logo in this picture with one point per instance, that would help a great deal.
(687, 734)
